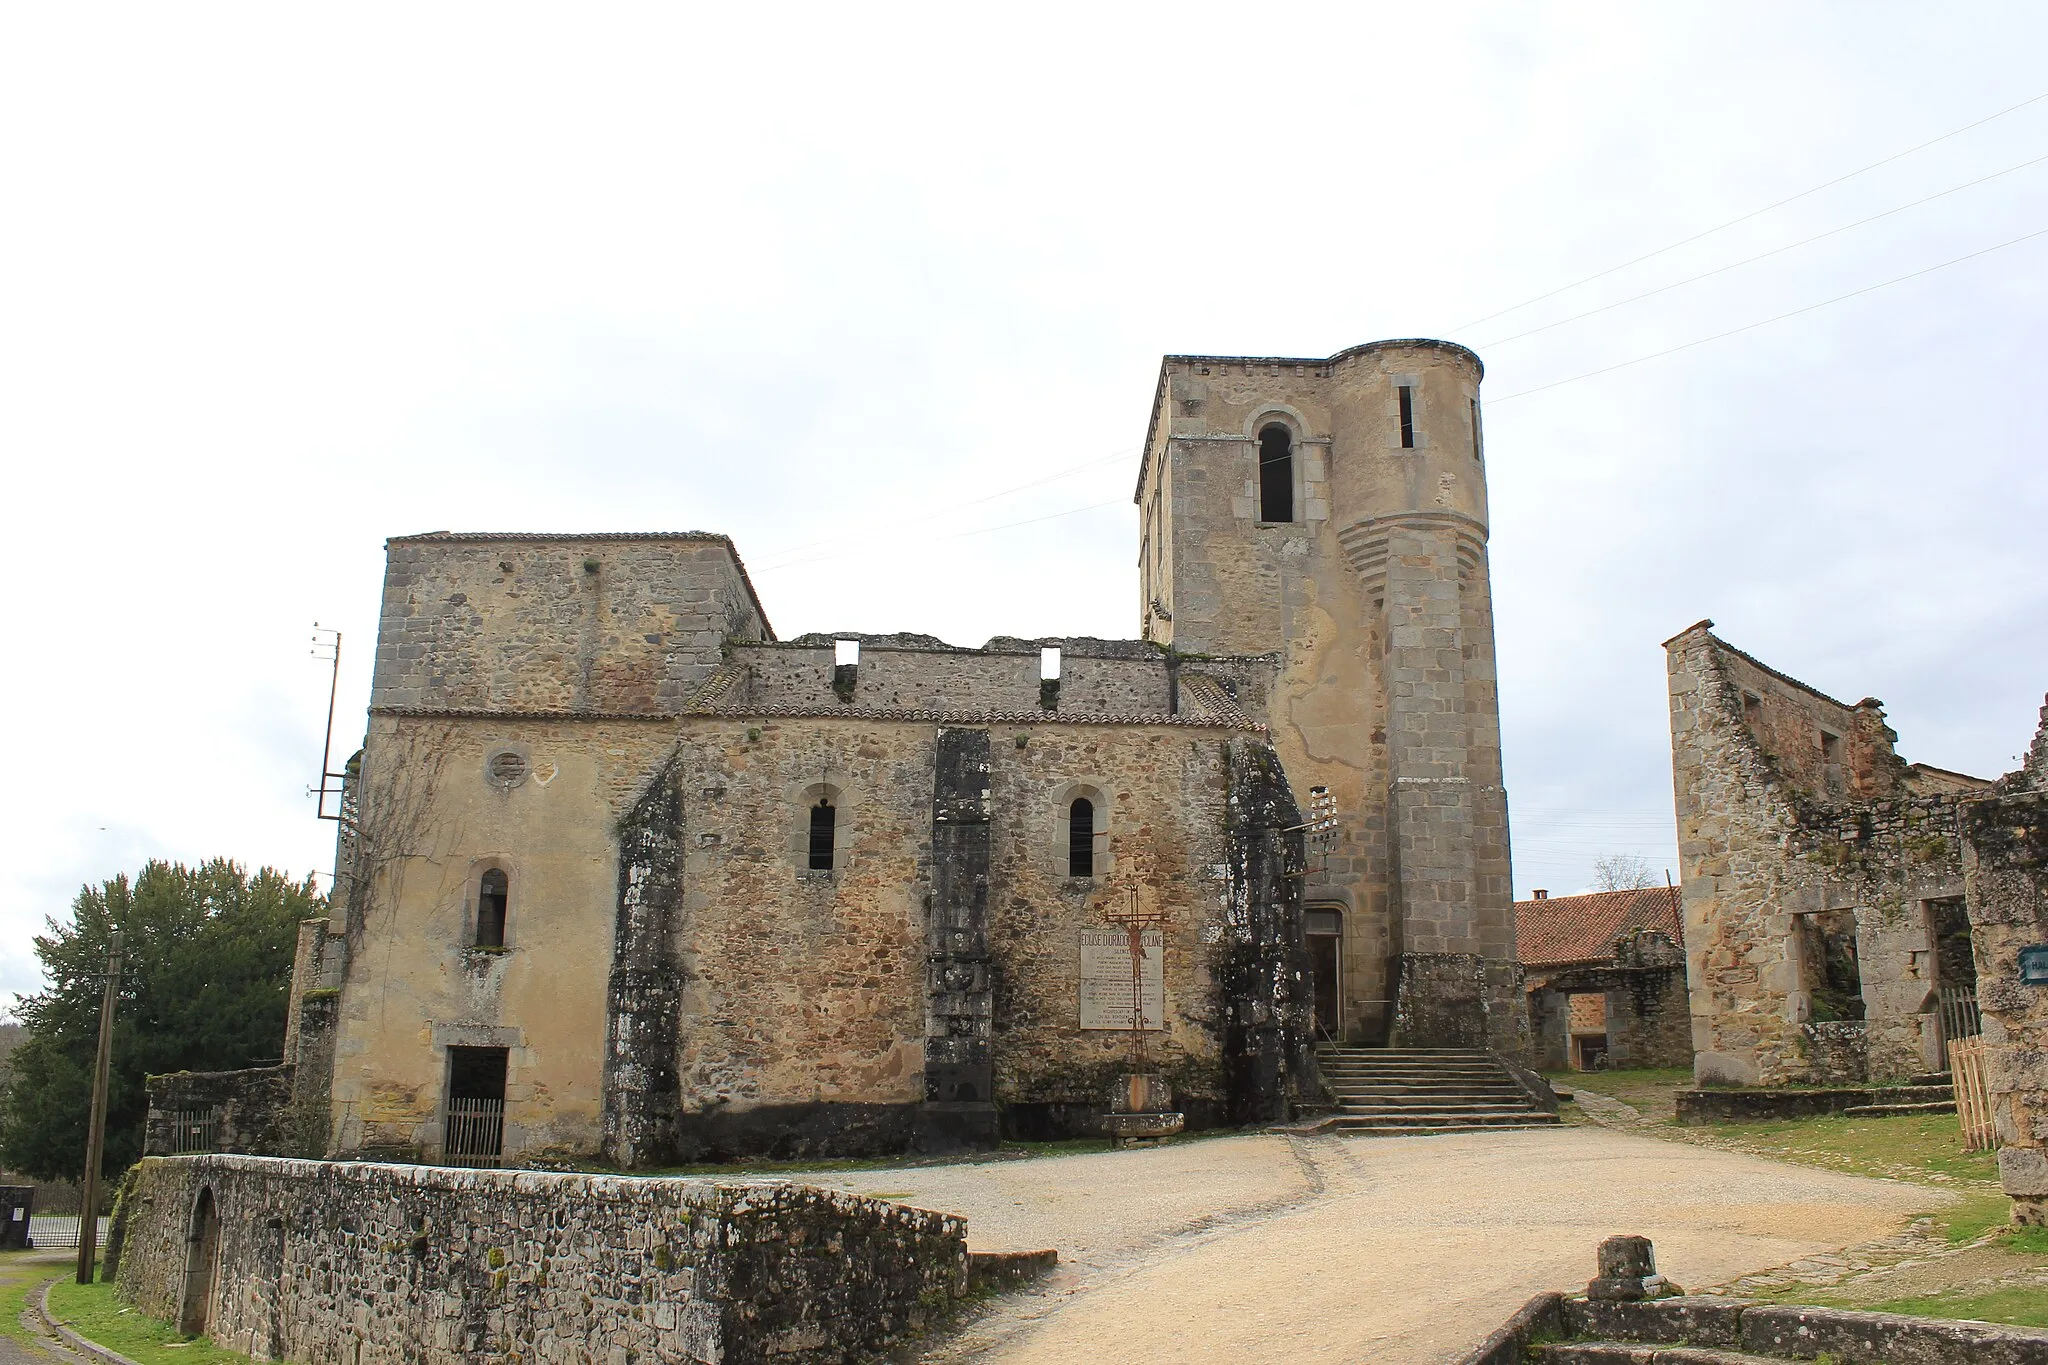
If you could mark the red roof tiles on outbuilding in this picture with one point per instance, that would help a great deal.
(1565, 929)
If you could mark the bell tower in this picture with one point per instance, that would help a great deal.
(1331, 515)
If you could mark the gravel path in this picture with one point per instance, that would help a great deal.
(1392, 1250)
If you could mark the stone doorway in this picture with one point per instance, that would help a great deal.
(202, 1267)
(1323, 927)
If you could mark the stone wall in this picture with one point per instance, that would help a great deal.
(231, 1111)
(367, 1264)
(1099, 678)
(591, 624)
(1776, 821)
(1648, 1020)
(676, 983)
(2006, 837)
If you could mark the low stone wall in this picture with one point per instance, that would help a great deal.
(247, 1111)
(365, 1264)
(1751, 1106)
(1710, 1326)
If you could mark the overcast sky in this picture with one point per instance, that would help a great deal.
(881, 292)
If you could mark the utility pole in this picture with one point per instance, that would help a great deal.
(96, 1136)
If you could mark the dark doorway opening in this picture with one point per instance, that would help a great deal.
(202, 1267)
(1323, 929)
(473, 1131)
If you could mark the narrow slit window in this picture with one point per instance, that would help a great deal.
(824, 830)
(1407, 393)
(493, 895)
(1081, 838)
(1478, 455)
(1276, 474)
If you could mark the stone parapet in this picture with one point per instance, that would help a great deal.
(316, 1262)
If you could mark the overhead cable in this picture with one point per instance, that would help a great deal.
(1765, 322)
(1751, 260)
(1757, 213)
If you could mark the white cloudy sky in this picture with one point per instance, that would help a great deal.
(277, 283)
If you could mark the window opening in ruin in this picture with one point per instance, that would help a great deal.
(493, 895)
(1081, 838)
(824, 828)
(473, 1130)
(1323, 929)
(846, 652)
(1276, 474)
(1478, 450)
(1829, 971)
(1752, 709)
(1831, 760)
(1049, 679)
(1407, 393)
(845, 669)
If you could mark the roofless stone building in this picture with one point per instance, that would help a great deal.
(625, 873)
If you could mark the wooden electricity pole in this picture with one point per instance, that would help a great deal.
(96, 1135)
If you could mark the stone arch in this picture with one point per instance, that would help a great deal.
(202, 1266)
(1061, 845)
(806, 823)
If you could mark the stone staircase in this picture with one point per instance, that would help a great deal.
(1932, 1094)
(1393, 1091)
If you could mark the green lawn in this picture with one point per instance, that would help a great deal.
(21, 1271)
(92, 1311)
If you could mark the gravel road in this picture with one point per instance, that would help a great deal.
(1395, 1251)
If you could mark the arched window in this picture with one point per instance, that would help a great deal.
(493, 895)
(1081, 838)
(1276, 474)
(824, 825)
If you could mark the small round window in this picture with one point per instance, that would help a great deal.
(506, 768)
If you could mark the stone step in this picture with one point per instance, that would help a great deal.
(1423, 1101)
(1421, 1074)
(1879, 1111)
(1366, 1093)
(1932, 1078)
(1638, 1353)
(1369, 1125)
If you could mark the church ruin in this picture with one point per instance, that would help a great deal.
(624, 873)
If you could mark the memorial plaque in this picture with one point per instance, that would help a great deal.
(1107, 979)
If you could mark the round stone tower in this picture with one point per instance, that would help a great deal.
(1333, 513)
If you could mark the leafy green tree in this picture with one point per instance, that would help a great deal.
(205, 985)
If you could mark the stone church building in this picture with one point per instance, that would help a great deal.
(623, 873)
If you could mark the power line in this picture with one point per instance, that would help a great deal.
(961, 535)
(1765, 322)
(781, 556)
(1756, 213)
(1774, 251)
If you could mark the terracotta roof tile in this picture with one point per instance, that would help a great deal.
(1583, 928)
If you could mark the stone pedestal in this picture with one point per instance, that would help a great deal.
(1628, 1272)
(1141, 1111)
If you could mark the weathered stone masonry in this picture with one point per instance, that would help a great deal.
(1815, 862)
(596, 745)
(2006, 869)
(361, 1264)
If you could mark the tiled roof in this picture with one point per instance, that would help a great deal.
(1583, 928)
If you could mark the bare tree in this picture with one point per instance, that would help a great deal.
(1622, 872)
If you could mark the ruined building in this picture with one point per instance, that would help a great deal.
(1605, 977)
(625, 873)
(1826, 929)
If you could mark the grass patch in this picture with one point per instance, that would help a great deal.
(1648, 1090)
(1922, 1147)
(92, 1311)
(2018, 1305)
(2033, 1241)
(21, 1271)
